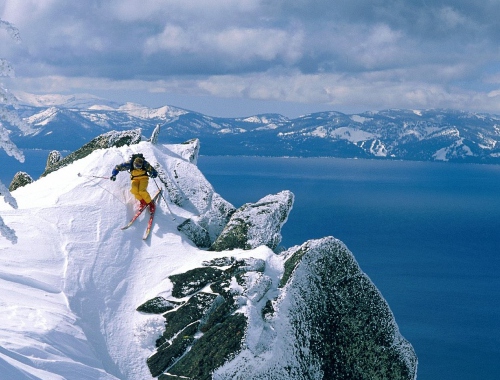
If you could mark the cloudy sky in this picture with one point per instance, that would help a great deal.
(242, 57)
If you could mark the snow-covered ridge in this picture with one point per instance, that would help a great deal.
(94, 103)
(351, 134)
(51, 100)
(400, 134)
(143, 112)
(43, 118)
(84, 268)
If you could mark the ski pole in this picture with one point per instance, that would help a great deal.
(91, 176)
(170, 211)
(95, 176)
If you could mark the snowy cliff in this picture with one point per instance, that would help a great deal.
(81, 299)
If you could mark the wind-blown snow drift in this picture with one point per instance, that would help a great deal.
(70, 286)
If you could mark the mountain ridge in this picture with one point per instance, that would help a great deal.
(421, 135)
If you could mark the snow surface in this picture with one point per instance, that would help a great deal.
(456, 149)
(70, 286)
(360, 119)
(353, 135)
(43, 118)
(148, 113)
(82, 101)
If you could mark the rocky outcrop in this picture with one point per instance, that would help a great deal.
(328, 321)
(189, 150)
(158, 305)
(205, 331)
(106, 140)
(188, 188)
(195, 232)
(53, 158)
(20, 179)
(324, 319)
(255, 224)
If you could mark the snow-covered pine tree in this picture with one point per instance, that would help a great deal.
(7, 117)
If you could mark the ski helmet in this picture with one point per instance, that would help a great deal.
(138, 162)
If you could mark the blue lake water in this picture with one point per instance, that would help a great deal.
(427, 234)
(34, 164)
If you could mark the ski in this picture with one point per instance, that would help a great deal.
(151, 217)
(138, 213)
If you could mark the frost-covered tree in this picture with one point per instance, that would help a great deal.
(20, 179)
(9, 118)
(54, 157)
(155, 134)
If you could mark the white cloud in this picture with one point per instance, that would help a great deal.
(237, 44)
(378, 45)
(173, 38)
(451, 17)
(373, 54)
(334, 92)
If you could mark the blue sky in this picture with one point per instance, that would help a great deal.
(243, 57)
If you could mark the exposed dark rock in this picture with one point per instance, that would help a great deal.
(106, 140)
(20, 179)
(196, 233)
(220, 261)
(337, 313)
(188, 313)
(213, 349)
(255, 224)
(268, 310)
(344, 264)
(158, 305)
(291, 263)
(220, 309)
(220, 331)
(167, 354)
(247, 265)
(223, 288)
(324, 320)
(194, 280)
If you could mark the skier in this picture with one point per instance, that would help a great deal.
(139, 170)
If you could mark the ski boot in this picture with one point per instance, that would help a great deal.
(152, 207)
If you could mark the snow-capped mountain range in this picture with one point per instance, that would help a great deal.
(67, 122)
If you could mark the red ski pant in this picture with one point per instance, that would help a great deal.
(138, 188)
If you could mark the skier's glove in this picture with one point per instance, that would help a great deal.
(112, 178)
(153, 175)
